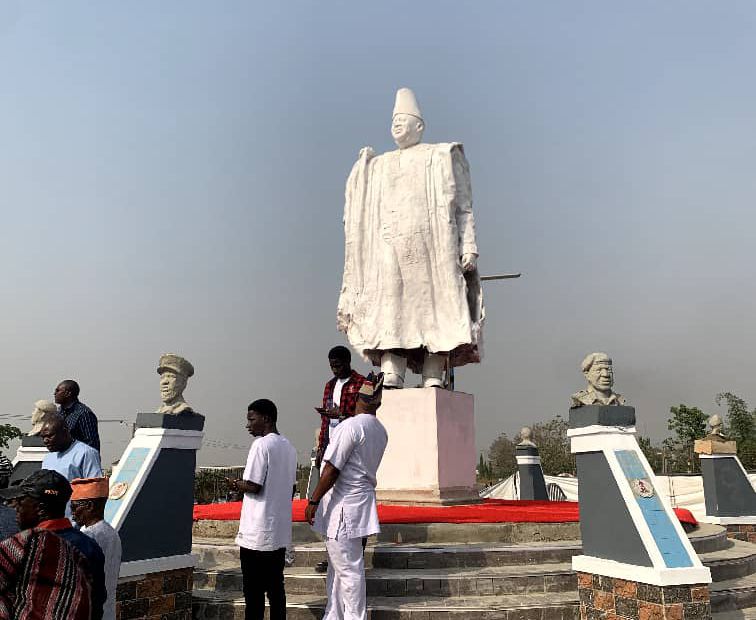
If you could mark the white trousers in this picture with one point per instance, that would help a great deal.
(345, 582)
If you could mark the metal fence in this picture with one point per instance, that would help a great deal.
(210, 485)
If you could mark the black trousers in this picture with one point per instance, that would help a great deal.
(263, 573)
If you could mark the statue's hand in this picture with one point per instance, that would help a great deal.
(469, 262)
(367, 152)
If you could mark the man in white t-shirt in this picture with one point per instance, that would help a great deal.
(343, 507)
(265, 524)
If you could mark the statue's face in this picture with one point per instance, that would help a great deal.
(600, 376)
(171, 386)
(407, 130)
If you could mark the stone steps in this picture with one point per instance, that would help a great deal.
(741, 614)
(500, 533)
(215, 553)
(480, 580)
(483, 580)
(531, 579)
(737, 560)
(554, 606)
(734, 594)
(727, 597)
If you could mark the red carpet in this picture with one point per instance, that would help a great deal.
(488, 511)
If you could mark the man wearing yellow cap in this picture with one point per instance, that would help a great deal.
(88, 500)
(411, 294)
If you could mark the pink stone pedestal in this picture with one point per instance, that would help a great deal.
(430, 457)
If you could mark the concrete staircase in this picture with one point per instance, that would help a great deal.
(449, 579)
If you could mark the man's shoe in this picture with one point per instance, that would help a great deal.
(321, 567)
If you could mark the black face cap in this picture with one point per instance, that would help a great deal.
(45, 485)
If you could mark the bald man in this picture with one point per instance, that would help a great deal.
(68, 456)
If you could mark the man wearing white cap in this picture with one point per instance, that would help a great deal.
(348, 511)
(411, 293)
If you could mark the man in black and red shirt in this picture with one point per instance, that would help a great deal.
(339, 395)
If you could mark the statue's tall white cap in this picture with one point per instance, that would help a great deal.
(406, 103)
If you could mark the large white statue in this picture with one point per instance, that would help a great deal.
(599, 373)
(174, 373)
(411, 292)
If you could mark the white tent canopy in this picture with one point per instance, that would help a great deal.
(682, 491)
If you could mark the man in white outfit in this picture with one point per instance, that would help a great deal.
(265, 523)
(343, 507)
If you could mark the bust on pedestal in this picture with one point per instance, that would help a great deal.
(728, 494)
(629, 531)
(32, 450)
(532, 482)
(151, 499)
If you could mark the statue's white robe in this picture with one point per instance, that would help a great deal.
(407, 222)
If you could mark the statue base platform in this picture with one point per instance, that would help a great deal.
(28, 458)
(728, 493)
(430, 456)
(154, 482)
(628, 529)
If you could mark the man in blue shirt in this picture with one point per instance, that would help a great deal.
(79, 418)
(69, 457)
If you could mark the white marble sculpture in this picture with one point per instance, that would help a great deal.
(41, 409)
(599, 373)
(526, 437)
(411, 293)
(716, 424)
(174, 373)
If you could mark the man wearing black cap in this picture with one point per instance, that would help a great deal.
(62, 576)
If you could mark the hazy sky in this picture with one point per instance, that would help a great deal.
(172, 179)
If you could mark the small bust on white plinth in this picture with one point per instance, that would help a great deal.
(599, 373)
(716, 433)
(526, 437)
(411, 292)
(42, 408)
(174, 373)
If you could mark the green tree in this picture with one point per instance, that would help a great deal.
(485, 475)
(653, 454)
(554, 446)
(740, 426)
(8, 433)
(687, 424)
(501, 457)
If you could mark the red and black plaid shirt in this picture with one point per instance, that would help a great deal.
(42, 577)
(347, 405)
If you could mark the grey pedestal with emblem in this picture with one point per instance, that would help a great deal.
(152, 493)
(627, 528)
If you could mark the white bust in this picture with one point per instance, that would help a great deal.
(41, 409)
(599, 373)
(526, 437)
(716, 424)
(174, 373)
